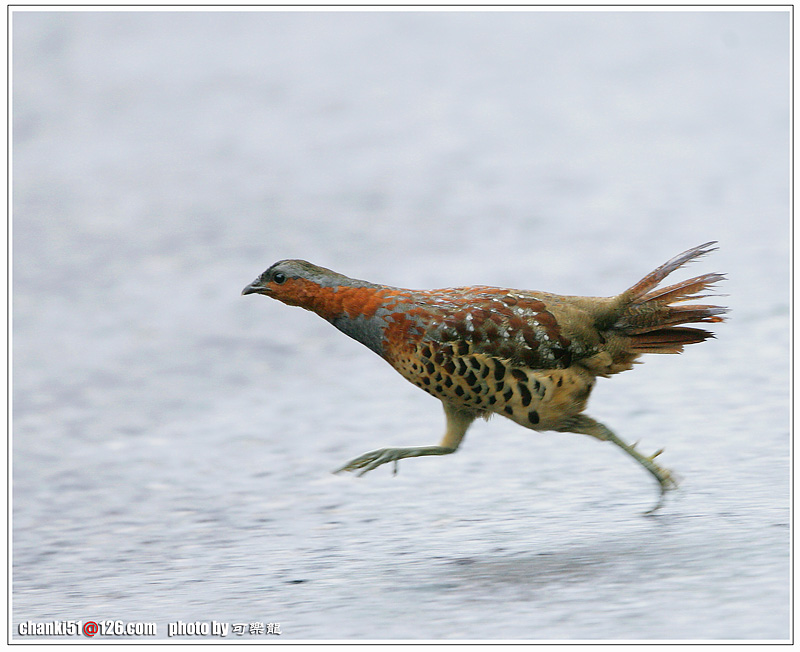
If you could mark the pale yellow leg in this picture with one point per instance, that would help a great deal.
(458, 422)
(585, 425)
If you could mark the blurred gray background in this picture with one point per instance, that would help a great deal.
(173, 440)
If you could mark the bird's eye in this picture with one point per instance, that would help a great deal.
(279, 277)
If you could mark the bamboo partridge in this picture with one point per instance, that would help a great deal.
(532, 357)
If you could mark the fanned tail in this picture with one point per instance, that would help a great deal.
(648, 316)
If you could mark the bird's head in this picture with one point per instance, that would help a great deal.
(295, 282)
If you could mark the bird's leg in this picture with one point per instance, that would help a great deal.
(585, 425)
(458, 421)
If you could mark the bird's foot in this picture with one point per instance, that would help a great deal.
(667, 480)
(372, 460)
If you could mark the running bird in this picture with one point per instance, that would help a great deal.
(532, 357)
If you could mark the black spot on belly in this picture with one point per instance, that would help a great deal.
(508, 394)
(533, 417)
(449, 366)
(499, 370)
(426, 352)
(492, 400)
(499, 386)
(485, 371)
(448, 382)
(471, 378)
(429, 367)
(525, 393)
(459, 390)
(519, 374)
(474, 363)
(508, 409)
(560, 381)
(438, 389)
(462, 366)
(426, 380)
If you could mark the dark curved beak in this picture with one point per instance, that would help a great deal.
(255, 288)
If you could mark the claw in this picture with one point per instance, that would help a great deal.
(657, 506)
(357, 463)
(369, 461)
(374, 459)
(666, 482)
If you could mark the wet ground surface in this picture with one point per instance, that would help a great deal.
(173, 440)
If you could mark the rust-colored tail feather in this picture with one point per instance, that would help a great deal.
(685, 289)
(653, 323)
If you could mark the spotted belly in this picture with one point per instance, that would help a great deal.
(536, 399)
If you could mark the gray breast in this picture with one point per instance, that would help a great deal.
(367, 330)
